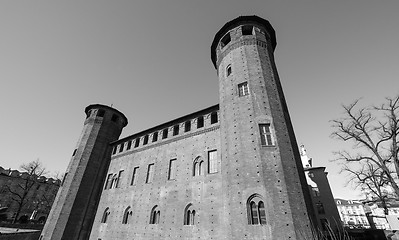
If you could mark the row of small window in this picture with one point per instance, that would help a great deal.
(101, 113)
(164, 132)
(155, 215)
(245, 30)
(113, 180)
(255, 208)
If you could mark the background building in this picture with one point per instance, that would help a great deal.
(39, 198)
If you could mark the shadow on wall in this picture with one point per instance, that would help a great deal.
(21, 236)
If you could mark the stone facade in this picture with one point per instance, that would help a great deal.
(231, 171)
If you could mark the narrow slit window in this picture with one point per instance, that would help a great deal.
(129, 145)
(121, 147)
(175, 130)
(187, 126)
(145, 140)
(225, 40)
(228, 70)
(164, 133)
(136, 144)
(214, 117)
(155, 137)
(114, 150)
(200, 122)
(243, 89)
(74, 152)
(247, 30)
(265, 135)
(134, 176)
(172, 169)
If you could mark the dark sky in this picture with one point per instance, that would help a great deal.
(151, 60)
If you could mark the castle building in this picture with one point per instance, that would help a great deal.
(230, 171)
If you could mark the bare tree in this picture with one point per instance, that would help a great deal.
(20, 191)
(373, 133)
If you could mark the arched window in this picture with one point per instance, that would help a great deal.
(189, 215)
(105, 215)
(198, 167)
(256, 210)
(155, 215)
(228, 70)
(126, 215)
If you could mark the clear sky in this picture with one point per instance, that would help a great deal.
(151, 60)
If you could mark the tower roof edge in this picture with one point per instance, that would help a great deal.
(237, 21)
(91, 106)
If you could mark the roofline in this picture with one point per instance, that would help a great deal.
(169, 123)
(108, 108)
(236, 22)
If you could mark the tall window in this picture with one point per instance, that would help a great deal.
(134, 176)
(126, 215)
(212, 161)
(119, 180)
(114, 181)
(155, 215)
(105, 215)
(150, 173)
(189, 215)
(265, 135)
(243, 89)
(121, 147)
(114, 150)
(172, 169)
(198, 167)
(200, 122)
(256, 210)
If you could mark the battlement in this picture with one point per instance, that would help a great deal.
(174, 129)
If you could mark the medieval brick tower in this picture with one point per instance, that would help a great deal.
(74, 208)
(252, 104)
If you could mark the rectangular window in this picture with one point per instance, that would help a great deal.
(243, 89)
(109, 181)
(150, 173)
(114, 150)
(212, 161)
(136, 144)
(175, 130)
(265, 135)
(225, 40)
(155, 137)
(121, 147)
(119, 180)
(187, 126)
(134, 176)
(164, 133)
(129, 145)
(172, 169)
(214, 117)
(101, 113)
(200, 121)
(145, 140)
(246, 30)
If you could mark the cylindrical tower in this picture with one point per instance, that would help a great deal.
(260, 158)
(75, 205)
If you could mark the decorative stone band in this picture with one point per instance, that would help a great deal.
(177, 138)
(239, 44)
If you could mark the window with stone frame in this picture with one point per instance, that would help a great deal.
(266, 138)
